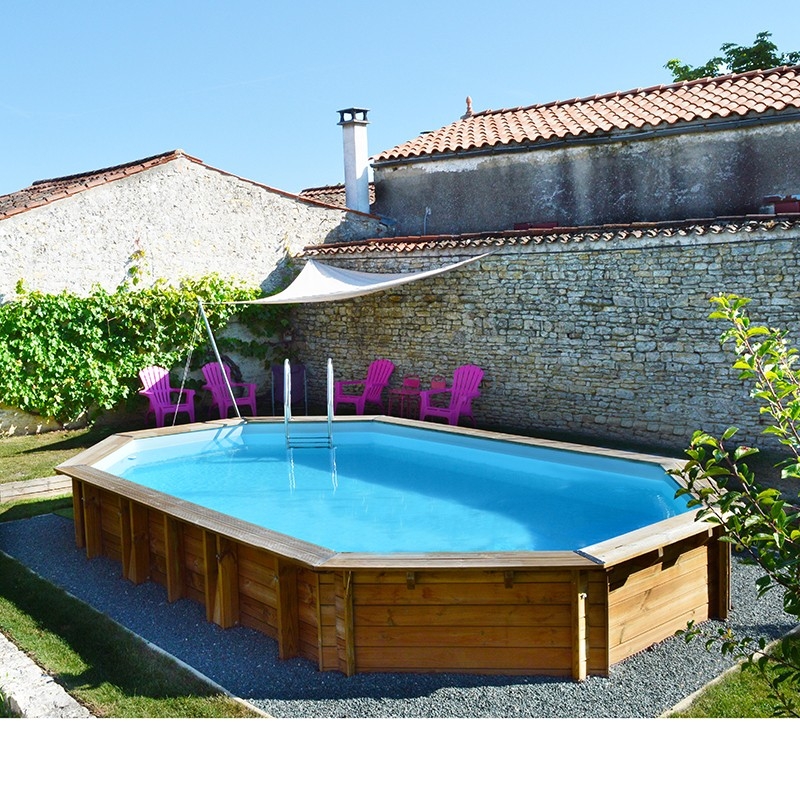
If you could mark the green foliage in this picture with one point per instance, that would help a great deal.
(63, 356)
(759, 521)
(762, 54)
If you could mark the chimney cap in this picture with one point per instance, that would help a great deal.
(348, 115)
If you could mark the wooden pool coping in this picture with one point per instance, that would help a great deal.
(602, 555)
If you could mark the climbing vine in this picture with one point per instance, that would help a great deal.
(64, 355)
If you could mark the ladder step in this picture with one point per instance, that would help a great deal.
(309, 441)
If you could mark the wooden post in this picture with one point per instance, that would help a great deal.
(226, 598)
(579, 625)
(92, 523)
(288, 613)
(347, 621)
(173, 552)
(719, 576)
(210, 573)
(139, 563)
(320, 638)
(77, 511)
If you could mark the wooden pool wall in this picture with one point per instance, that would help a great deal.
(564, 614)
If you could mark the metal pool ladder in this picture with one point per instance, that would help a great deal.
(294, 438)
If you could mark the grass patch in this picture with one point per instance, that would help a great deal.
(24, 458)
(97, 661)
(742, 694)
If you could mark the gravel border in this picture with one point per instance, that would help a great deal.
(246, 662)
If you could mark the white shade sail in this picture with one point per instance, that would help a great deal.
(321, 283)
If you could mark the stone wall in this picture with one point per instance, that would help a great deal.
(188, 218)
(606, 340)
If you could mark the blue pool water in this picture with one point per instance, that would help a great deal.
(386, 488)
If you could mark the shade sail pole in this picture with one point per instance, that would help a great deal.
(219, 357)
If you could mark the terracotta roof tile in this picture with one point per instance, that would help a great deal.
(577, 235)
(757, 92)
(333, 195)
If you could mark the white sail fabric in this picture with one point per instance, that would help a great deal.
(321, 283)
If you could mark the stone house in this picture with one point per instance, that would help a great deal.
(703, 149)
(169, 214)
(187, 217)
(608, 223)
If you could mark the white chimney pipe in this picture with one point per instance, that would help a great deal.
(356, 158)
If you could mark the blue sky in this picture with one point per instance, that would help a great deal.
(253, 87)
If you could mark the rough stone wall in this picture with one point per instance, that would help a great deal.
(189, 219)
(607, 340)
(689, 175)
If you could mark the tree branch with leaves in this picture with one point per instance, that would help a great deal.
(760, 522)
(762, 54)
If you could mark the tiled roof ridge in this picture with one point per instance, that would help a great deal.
(665, 107)
(589, 233)
(160, 158)
(655, 88)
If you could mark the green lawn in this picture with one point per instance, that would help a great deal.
(102, 665)
(23, 458)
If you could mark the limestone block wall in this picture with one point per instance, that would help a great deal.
(188, 218)
(597, 339)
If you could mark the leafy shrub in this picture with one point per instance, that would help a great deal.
(64, 355)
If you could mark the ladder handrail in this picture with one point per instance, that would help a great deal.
(330, 402)
(311, 440)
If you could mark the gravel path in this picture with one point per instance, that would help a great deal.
(246, 662)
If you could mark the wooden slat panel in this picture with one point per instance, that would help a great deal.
(646, 638)
(499, 659)
(463, 637)
(631, 579)
(475, 594)
(652, 611)
(264, 614)
(444, 576)
(655, 593)
(495, 615)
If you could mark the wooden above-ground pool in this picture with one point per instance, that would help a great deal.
(567, 613)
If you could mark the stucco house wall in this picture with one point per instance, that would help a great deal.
(601, 335)
(188, 218)
(678, 173)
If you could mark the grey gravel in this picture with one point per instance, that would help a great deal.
(246, 662)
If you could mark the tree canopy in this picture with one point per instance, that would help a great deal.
(762, 54)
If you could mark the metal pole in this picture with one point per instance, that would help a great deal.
(219, 357)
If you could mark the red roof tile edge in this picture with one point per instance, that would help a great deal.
(633, 230)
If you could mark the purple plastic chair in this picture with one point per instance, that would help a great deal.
(378, 375)
(221, 397)
(459, 396)
(163, 398)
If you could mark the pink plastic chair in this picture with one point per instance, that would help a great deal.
(378, 375)
(460, 395)
(221, 397)
(163, 398)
